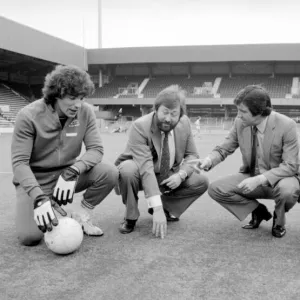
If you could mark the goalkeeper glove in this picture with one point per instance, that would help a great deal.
(43, 213)
(65, 186)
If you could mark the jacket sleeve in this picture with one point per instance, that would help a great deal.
(289, 159)
(21, 149)
(142, 156)
(229, 145)
(93, 145)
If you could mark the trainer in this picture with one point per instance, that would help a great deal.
(47, 140)
(159, 145)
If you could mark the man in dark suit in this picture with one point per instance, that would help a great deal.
(159, 145)
(269, 145)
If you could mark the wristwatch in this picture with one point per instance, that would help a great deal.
(182, 174)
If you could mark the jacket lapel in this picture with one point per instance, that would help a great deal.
(179, 138)
(247, 142)
(268, 137)
(156, 136)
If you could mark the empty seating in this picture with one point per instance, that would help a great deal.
(155, 85)
(112, 88)
(15, 102)
(277, 87)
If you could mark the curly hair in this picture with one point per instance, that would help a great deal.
(67, 80)
(256, 98)
(171, 97)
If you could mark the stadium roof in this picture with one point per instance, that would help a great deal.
(43, 47)
(179, 54)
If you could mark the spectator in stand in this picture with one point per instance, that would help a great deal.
(46, 143)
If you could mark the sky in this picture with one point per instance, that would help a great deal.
(146, 23)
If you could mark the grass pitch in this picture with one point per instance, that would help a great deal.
(207, 255)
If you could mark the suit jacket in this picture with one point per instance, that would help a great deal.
(280, 147)
(144, 148)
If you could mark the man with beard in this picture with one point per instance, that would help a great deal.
(159, 145)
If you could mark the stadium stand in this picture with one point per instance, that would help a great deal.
(31, 93)
(112, 89)
(278, 86)
(155, 85)
(15, 102)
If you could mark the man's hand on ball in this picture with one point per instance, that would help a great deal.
(43, 213)
(65, 187)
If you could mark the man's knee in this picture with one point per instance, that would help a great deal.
(107, 172)
(212, 189)
(288, 190)
(128, 170)
(201, 183)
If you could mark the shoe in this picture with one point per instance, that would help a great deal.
(258, 215)
(278, 231)
(127, 226)
(84, 218)
(170, 217)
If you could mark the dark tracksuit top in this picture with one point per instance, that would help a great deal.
(41, 148)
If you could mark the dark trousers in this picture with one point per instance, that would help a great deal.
(176, 202)
(98, 182)
(225, 191)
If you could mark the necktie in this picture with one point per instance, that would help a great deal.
(253, 151)
(165, 160)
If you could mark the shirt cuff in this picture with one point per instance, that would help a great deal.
(154, 201)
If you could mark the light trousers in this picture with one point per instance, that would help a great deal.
(98, 183)
(225, 191)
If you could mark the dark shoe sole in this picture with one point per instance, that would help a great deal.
(125, 231)
(126, 228)
(267, 217)
(278, 235)
(172, 219)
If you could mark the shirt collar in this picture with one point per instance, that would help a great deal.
(261, 127)
(170, 133)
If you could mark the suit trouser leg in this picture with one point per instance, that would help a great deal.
(226, 193)
(27, 230)
(178, 201)
(285, 193)
(98, 182)
(130, 185)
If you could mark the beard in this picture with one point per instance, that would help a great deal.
(166, 126)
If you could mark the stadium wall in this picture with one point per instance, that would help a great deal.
(189, 101)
